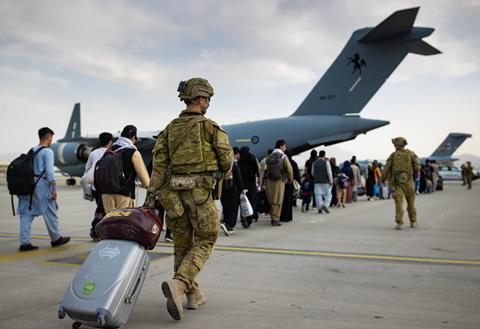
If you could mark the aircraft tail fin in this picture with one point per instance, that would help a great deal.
(397, 24)
(450, 145)
(74, 129)
(365, 63)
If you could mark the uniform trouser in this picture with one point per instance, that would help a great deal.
(116, 201)
(51, 221)
(195, 234)
(323, 195)
(406, 191)
(469, 182)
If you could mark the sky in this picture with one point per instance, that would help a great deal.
(122, 60)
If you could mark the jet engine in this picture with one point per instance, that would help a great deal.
(70, 154)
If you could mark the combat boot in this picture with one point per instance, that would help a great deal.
(413, 224)
(174, 290)
(196, 299)
(398, 227)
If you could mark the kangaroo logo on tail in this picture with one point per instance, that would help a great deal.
(357, 63)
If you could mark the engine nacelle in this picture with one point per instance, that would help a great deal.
(69, 154)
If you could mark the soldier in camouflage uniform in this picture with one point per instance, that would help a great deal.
(189, 157)
(469, 174)
(400, 170)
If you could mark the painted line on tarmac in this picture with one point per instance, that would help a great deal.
(40, 237)
(30, 254)
(353, 256)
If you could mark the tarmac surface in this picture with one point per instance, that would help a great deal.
(348, 269)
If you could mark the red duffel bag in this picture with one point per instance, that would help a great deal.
(136, 224)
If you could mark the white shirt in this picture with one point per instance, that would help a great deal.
(94, 157)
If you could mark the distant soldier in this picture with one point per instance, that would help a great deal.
(400, 170)
(189, 159)
(469, 174)
(464, 174)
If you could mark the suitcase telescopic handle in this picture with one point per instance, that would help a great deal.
(128, 299)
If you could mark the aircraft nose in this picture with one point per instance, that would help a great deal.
(369, 124)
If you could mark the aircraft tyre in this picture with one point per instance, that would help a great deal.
(71, 181)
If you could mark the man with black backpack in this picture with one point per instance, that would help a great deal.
(106, 142)
(279, 171)
(116, 171)
(31, 177)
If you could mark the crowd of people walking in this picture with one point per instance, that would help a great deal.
(276, 184)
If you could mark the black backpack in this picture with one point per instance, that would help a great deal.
(20, 176)
(109, 176)
(275, 166)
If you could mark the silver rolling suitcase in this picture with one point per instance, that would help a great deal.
(105, 289)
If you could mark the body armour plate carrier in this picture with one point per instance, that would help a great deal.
(402, 162)
(189, 151)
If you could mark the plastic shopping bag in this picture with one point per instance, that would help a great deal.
(245, 206)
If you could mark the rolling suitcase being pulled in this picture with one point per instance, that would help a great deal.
(105, 289)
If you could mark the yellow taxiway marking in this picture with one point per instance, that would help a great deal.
(18, 255)
(25, 255)
(352, 256)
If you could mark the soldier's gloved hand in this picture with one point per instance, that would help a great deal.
(149, 200)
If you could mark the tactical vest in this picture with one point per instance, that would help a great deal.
(190, 151)
(402, 162)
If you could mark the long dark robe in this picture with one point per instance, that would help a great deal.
(231, 198)
(287, 213)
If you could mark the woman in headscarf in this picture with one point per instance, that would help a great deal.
(347, 170)
(250, 170)
(335, 173)
(287, 213)
(369, 181)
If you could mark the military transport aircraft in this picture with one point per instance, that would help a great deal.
(443, 153)
(328, 115)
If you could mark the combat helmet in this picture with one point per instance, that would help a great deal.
(193, 88)
(399, 141)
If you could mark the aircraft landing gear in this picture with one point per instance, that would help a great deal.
(71, 181)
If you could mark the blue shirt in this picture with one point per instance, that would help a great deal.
(43, 190)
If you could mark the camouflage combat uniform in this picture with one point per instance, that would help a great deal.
(186, 154)
(469, 174)
(402, 165)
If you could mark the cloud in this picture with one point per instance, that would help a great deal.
(100, 39)
(274, 42)
(31, 76)
(262, 56)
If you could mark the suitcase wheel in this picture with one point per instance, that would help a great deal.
(61, 313)
(76, 325)
(101, 320)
